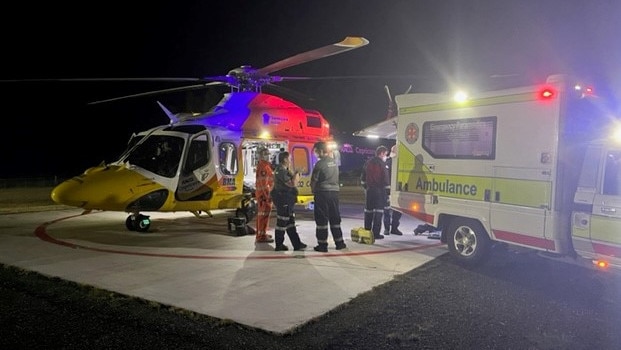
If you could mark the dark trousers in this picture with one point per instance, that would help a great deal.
(327, 216)
(392, 218)
(374, 209)
(285, 219)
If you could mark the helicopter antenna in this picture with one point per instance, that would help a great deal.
(391, 103)
(391, 109)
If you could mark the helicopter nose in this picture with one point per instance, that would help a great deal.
(102, 188)
(69, 193)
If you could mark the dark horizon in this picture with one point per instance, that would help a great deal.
(429, 45)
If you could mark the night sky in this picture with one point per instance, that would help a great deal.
(432, 45)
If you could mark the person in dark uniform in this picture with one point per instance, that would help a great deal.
(392, 218)
(325, 186)
(284, 196)
(374, 179)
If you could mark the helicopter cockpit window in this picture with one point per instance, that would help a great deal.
(228, 158)
(159, 154)
(198, 153)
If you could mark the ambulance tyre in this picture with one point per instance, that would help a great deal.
(468, 241)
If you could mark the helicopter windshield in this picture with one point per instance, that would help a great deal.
(160, 154)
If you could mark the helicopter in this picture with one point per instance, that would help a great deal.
(200, 162)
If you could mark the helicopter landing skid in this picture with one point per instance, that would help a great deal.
(198, 213)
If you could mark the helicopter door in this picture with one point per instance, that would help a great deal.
(250, 158)
(198, 169)
(228, 166)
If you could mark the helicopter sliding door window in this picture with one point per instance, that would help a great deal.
(228, 158)
(300, 160)
(198, 153)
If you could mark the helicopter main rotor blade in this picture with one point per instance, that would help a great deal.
(349, 43)
(171, 79)
(157, 92)
(355, 77)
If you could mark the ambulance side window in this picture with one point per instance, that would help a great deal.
(612, 174)
(300, 160)
(228, 158)
(470, 138)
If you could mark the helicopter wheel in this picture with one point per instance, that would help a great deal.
(140, 223)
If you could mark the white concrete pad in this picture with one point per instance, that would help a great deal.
(196, 264)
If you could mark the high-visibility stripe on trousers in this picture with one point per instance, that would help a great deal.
(374, 209)
(327, 217)
(285, 219)
(263, 216)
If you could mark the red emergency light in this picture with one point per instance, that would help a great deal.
(546, 93)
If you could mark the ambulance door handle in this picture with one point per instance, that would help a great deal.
(488, 195)
(608, 210)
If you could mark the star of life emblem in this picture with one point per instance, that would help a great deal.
(411, 133)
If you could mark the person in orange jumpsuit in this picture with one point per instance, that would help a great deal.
(264, 185)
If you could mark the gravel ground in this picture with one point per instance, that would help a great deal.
(515, 301)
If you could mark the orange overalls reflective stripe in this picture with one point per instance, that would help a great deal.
(264, 184)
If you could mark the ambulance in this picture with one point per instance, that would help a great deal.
(533, 168)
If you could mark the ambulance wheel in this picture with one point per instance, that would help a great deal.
(468, 241)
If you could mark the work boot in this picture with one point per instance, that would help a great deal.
(321, 248)
(300, 247)
(396, 232)
(281, 248)
(379, 237)
(340, 245)
(386, 232)
(264, 239)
